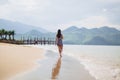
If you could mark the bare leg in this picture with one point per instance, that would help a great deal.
(60, 50)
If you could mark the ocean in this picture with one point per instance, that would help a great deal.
(102, 62)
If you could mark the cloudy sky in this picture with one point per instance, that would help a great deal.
(54, 14)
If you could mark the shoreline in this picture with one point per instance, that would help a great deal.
(54, 67)
(15, 59)
(50, 56)
(98, 67)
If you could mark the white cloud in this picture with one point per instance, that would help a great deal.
(23, 10)
(92, 22)
(2, 2)
(104, 10)
(109, 1)
(29, 5)
(54, 14)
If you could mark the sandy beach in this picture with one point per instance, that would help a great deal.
(15, 59)
(54, 67)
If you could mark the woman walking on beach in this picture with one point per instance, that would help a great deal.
(59, 42)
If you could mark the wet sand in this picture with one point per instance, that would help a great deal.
(54, 67)
(15, 59)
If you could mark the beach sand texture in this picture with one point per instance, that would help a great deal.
(16, 59)
(54, 67)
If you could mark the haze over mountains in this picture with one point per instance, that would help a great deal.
(19, 27)
(95, 36)
(72, 35)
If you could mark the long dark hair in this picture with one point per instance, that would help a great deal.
(59, 33)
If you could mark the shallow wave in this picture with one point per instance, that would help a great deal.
(101, 66)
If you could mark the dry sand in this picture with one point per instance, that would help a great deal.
(15, 59)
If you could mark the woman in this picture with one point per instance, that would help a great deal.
(59, 42)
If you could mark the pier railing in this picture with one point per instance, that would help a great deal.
(42, 41)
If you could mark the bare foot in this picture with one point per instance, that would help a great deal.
(60, 55)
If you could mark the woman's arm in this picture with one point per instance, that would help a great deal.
(56, 40)
(62, 36)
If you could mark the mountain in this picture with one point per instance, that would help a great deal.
(71, 29)
(19, 27)
(96, 36)
(35, 34)
(97, 41)
(73, 35)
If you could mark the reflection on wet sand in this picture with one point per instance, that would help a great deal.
(56, 69)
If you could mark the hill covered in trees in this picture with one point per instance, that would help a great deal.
(95, 36)
(73, 35)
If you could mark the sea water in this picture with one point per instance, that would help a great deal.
(102, 62)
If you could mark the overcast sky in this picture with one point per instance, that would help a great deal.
(55, 14)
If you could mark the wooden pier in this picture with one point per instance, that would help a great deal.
(35, 41)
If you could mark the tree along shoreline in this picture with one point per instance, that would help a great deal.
(7, 34)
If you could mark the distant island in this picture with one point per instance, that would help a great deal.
(73, 35)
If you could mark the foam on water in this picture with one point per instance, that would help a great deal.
(102, 62)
